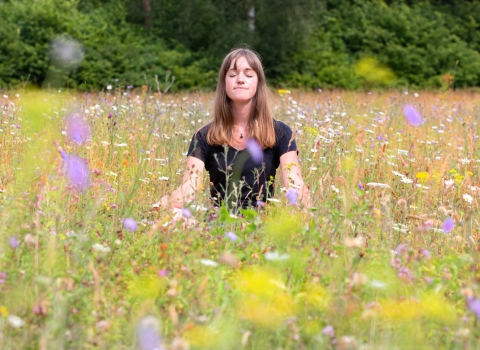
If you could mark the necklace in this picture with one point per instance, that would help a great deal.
(239, 133)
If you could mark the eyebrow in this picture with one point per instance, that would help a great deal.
(235, 68)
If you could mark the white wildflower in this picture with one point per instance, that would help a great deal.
(449, 183)
(208, 262)
(275, 200)
(275, 256)
(15, 321)
(377, 184)
(100, 248)
(468, 198)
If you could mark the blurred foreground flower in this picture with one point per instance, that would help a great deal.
(328, 330)
(14, 243)
(148, 334)
(275, 256)
(15, 321)
(186, 213)
(413, 116)
(255, 150)
(77, 129)
(292, 196)
(66, 53)
(100, 248)
(231, 236)
(76, 172)
(448, 225)
(264, 299)
(373, 71)
(474, 305)
(208, 262)
(130, 224)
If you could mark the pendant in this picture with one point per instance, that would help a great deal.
(241, 136)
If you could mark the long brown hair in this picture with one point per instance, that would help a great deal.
(260, 123)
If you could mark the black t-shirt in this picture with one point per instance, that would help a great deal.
(255, 181)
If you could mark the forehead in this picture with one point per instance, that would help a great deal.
(240, 63)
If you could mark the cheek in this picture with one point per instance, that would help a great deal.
(228, 84)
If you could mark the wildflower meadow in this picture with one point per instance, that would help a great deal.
(387, 257)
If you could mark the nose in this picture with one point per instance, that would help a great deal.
(240, 78)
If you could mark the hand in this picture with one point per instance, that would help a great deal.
(161, 204)
(179, 216)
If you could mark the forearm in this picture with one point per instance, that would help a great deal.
(185, 193)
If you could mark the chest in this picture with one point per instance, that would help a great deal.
(222, 159)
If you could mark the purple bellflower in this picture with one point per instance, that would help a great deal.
(413, 116)
(77, 129)
(474, 305)
(231, 236)
(255, 150)
(148, 334)
(130, 224)
(292, 196)
(448, 225)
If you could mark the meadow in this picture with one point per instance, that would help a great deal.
(388, 257)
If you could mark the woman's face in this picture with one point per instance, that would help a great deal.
(241, 81)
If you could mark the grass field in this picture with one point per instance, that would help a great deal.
(388, 258)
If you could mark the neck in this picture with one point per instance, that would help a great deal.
(241, 113)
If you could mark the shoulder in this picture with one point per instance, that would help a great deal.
(201, 134)
(282, 129)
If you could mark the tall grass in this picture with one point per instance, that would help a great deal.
(371, 266)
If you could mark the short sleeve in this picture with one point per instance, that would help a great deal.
(285, 138)
(198, 146)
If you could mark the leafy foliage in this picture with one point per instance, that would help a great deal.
(303, 44)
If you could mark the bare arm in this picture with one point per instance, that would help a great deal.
(191, 183)
(292, 177)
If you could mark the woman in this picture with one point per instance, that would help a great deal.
(243, 146)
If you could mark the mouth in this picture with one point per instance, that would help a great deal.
(240, 88)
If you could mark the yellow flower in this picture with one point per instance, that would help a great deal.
(264, 298)
(422, 176)
(283, 91)
(3, 311)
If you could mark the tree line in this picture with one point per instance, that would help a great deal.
(179, 44)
